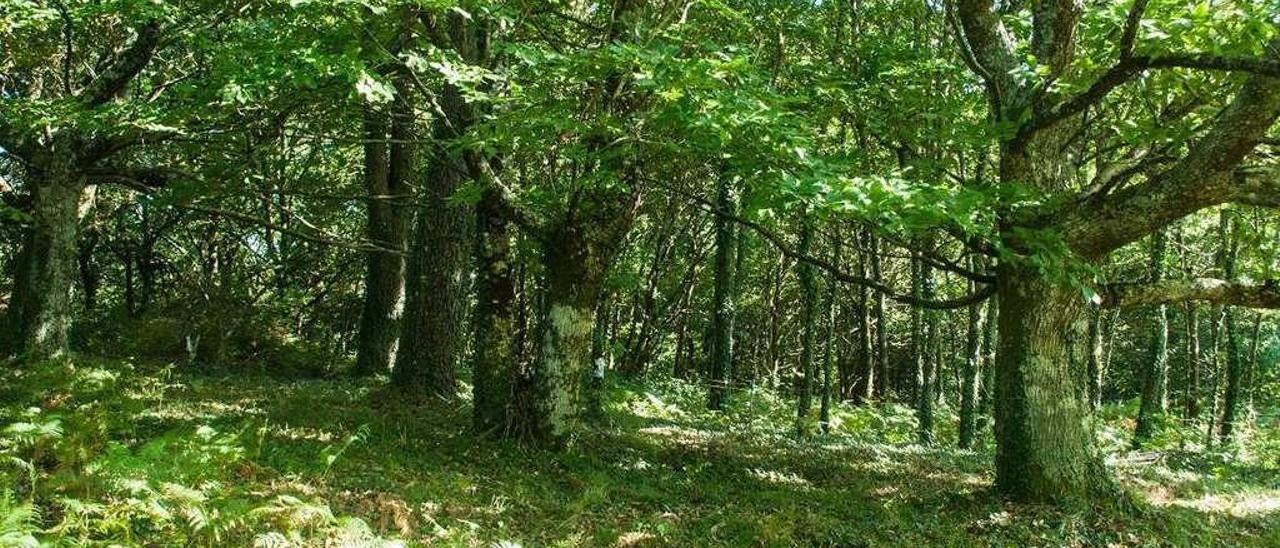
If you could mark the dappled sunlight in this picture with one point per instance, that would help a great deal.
(1253, 504)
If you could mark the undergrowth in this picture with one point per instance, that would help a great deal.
(110, 452)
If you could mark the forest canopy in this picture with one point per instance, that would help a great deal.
(1033, 244)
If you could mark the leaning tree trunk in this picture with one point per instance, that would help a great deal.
(430, 347)
(40, 312)
(495, 323)
(1044, 430)
(384, 265)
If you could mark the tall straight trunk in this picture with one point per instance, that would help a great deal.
(866, 361)
(1235, 370)
(986, 393)
(882, 331)
(384, 265)
(1191, 401)
(916, 377)
(971, 374)
(829, 316)
(926, 357)
(722, 305)
(1154, 381)
(496, 325)
(1251, 371)
(40, 311)
(1214, 373)
(430, 348)
(808, 314)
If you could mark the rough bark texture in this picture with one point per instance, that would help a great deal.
(431, 341)
(40, 313)
(1154, 378)
(1043, 423)
(384, 266)
(495, 324)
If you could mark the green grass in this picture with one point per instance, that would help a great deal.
(143, 455)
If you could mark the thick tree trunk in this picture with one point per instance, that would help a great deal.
(971, 375)
(384, 267)
(40, 313)
(431, 340)
(494, 359)
(575, 269)
(1044, 427)
(722, 305)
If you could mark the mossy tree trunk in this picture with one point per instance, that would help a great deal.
(1154, 379)
(40, 313)
(808, 327)
(971, 373)
(722, 299)
(495, 327)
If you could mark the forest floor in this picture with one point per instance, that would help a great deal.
(148, 455)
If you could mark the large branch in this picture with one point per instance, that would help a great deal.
(1204, 178)
(112, 82)
(987, 46)
(1207, 290)
(1257, 187)
(1129, 67)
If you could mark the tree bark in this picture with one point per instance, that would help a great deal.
(384, 266)
(722, 306)
(1154, 380)
(40, 313)
(431, 341)
(808, 315)
(495, 328)
(1043, 423)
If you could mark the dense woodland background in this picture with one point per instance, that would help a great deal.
(844, 272)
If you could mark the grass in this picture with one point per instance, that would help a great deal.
(147, 455)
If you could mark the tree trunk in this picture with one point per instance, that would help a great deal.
(1044, 426)
(824, 410)
(722, 305)
(971, 376)
(574, 272)
(926, 357)
(882, 331)
(1094, 367)
(90, 275)
(1154, 381)
(495, 357)
(809, 312)
(384, 267)
(1191, 402)
(40, 312)
(430, 347)
(1235, 369)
